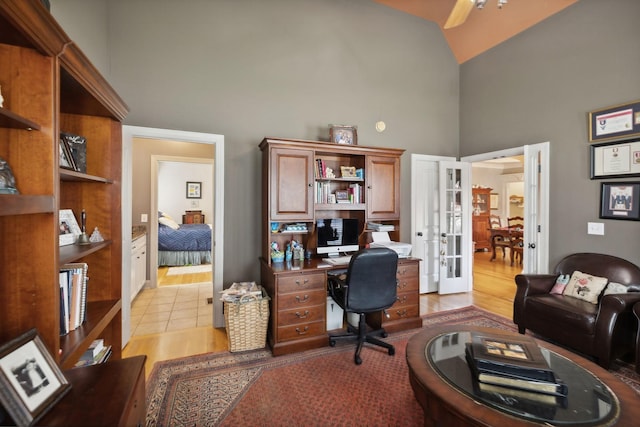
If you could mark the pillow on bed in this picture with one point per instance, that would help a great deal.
(168, 222)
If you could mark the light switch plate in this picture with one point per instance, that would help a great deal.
(595, 228)
(144, 218)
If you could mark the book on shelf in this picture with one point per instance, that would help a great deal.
(73, 295)
(101, 357)
(94, 349)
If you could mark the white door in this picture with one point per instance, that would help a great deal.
(425, 218)
(536, 208)
(456, 269)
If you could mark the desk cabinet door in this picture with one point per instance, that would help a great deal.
(291, 184)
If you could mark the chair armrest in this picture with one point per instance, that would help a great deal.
(532, 284)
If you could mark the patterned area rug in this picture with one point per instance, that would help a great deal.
(316, 387)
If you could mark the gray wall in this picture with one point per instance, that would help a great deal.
(539, 87)
(247, 69)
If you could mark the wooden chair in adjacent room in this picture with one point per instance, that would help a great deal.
(516, 224)
(498, 241)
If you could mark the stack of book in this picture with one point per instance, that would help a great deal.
(73, 296)
(512, 369)
(96, 353)
(380, 227)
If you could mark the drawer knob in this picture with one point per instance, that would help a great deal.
(304, 282)
(304, 331)
(401, 313)
(302, 316)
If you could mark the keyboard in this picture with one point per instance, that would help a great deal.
(340, 260)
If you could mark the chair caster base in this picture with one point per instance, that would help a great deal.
(332, 343)
(392, 351)
(358, 360)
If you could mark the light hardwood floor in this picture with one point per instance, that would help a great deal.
(494, 289)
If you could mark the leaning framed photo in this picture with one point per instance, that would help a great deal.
(68, 228)
(620, 200)
(30, 381)
(66, 160)
(341, 134)
(615, 123)
(615, 160)
(193, 190)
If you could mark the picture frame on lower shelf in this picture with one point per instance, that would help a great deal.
(66, 161)
(31, 382)
(68, 228)
(620, 200)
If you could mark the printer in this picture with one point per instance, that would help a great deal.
(381, 240)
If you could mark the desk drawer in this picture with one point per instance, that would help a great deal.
(302, 330)
(408, 270)
(301, 299)
(404, 311)
(301, 282)
(301, 315)
(406, 299)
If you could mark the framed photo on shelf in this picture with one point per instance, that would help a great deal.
(77, 148)
(348, 171)
(615, 160)
(618, 122)
(66, 161)
(341, 134)
(30, 381)
(69, 229)
(620, 200)
(193, 190)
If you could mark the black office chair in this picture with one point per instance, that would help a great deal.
(370, 285)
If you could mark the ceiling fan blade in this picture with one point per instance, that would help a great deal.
(459, 14)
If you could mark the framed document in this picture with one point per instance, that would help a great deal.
(615, 123)
(620, 200)
(615, 160)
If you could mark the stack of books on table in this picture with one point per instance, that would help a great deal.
(513, 369)
(380, 227)
(96, 353)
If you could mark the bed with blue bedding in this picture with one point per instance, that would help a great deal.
(190, 244)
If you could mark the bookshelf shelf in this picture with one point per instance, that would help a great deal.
(52, 86)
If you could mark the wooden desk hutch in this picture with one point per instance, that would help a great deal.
(49, 87)
(292, 193)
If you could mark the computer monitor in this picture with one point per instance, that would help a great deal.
(337, 235)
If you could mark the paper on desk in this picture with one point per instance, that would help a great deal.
(380, 236)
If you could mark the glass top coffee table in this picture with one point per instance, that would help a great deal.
(443, 384)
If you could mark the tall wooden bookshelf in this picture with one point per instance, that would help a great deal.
(49, 86)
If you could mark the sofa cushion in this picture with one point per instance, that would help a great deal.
(585, 287)
(559, 311)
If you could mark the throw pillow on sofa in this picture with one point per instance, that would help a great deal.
(561, 283)
(585, 287)
(615, 288)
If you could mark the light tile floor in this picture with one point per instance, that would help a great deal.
(171, 308)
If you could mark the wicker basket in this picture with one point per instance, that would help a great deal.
(246, 322)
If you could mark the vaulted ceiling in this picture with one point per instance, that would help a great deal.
(484, 28)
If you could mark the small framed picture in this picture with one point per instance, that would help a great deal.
(340, 134)
(620, 122)
(620, 200)
(66, 161)
(30, 381)
(194, 190)
(69, 229)
(348, 171)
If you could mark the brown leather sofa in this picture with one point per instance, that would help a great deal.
(604, 331)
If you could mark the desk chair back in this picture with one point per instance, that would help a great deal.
(371, 280)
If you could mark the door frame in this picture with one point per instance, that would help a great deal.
(128, 134)
(542, 227)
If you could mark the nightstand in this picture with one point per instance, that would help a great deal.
(193, 217)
